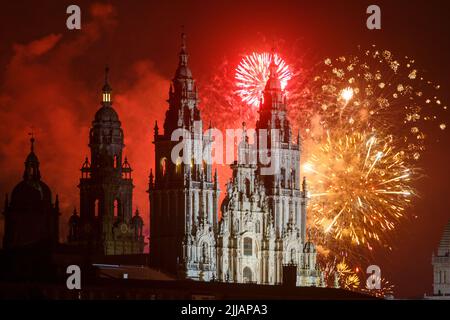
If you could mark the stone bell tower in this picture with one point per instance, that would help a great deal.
(106, 222)
(183, 191)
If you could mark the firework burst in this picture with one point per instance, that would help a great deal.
(252, 74)
(220, 104)
(351, 277)
(373, 90)
(348, 278)
(360, 186)
(365, 121)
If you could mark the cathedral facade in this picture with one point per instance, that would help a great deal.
(263, 223)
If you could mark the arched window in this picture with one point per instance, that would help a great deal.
(204, 252)
(283, 177)
(258, 227)
(97, 208)
(163, 166)
(293, 256)
(115, 162)
(247, 274)
(193, 171)
(248, 250)
(116, 208)
(247, 188)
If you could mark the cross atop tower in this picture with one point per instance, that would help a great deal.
(183, 51)
(31, 134)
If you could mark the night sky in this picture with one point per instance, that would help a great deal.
(51, 78)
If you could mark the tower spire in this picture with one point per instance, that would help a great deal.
(106, 97)
(274, 81)
(31, 163)
(31, 134)
(183, 52)
(273, 65)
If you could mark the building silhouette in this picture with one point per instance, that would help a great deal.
(106, 224)
(31, 229)
(31, 216)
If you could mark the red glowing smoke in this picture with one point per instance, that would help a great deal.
(47, 86)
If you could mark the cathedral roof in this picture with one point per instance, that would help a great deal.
(106, 114)
(29, 192)
(444, 245)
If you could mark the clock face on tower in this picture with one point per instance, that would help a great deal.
(123, 228)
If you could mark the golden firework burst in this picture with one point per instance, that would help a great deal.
(360, 185)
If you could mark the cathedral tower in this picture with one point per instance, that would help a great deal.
(263, 225)
(183, 191)
(282, 176)
(106, 223)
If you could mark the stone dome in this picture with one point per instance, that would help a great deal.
(106, 114)
(30, 193)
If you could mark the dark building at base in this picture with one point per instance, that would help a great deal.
(31, 225)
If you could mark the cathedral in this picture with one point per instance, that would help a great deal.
(257, 230)
(263, 222)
